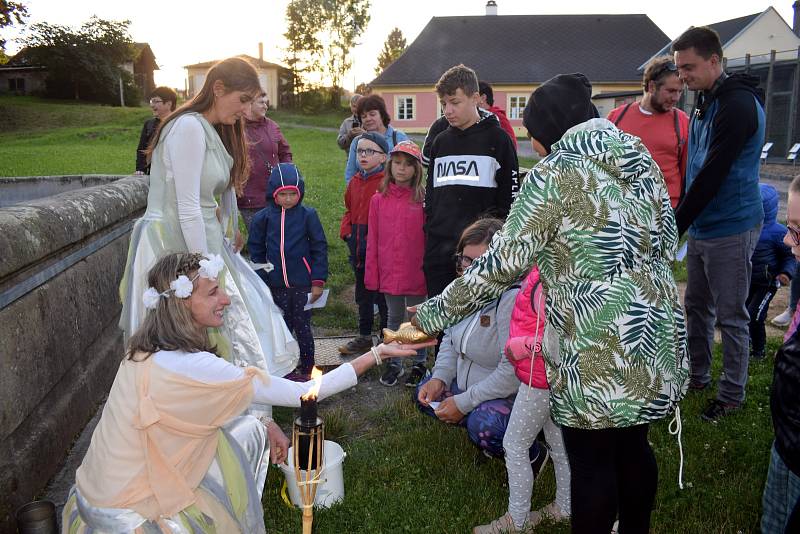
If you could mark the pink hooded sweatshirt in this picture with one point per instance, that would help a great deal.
(395, 243)
(523, 348)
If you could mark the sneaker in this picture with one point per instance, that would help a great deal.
(757, 355)
(358, 345)
(418, 372)
(501, 525)
(298, 376)
(540, 461)
(391, 376)
(698, 386)
(718, 409)
(783, 319)
(551, 512)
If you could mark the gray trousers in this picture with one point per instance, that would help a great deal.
(716, 291)
(396, 310)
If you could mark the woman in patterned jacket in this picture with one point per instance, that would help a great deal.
(595, 216)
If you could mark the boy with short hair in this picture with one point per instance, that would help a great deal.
(371, 152)
(289, 236)
(472, 173)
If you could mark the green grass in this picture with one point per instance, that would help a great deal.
(405, 472)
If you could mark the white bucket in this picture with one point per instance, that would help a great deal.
(331, 487)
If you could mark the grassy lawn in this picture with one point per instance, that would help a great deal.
(405, 472)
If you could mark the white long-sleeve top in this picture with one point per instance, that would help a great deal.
(209, 368)
(185, 147)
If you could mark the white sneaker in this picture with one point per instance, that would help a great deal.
(783, 319)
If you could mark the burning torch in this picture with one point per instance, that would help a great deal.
(308, 438)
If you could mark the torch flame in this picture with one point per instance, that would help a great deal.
(316, 377)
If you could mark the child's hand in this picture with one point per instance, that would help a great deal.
(520, 348)
(430, 391)
(448, 412)
(783, 278)
(316, 292)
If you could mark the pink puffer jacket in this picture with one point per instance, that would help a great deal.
(523, 347)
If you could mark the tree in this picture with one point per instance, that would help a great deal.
(84, 63)
(321, 34)
(10, 13)
(393, 48)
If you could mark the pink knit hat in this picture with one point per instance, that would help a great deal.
(407, 147)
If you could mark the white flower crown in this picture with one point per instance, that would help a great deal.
(182, 286)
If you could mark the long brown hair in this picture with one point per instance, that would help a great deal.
(170, 326)
(236, 74)
(417, 185)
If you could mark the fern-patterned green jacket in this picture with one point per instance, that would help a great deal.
(595, 216)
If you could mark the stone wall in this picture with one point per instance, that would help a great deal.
(61, 260)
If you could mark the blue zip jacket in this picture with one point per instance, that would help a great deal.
(771, 256)
(725, 139)
(292, 240)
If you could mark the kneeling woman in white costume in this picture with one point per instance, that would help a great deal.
(172, 451)
(198, 162)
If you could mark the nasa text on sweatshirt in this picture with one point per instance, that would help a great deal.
(472, 174)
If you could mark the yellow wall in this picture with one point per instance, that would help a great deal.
(767, 32)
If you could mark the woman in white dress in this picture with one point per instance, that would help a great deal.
(198, 162)
(172, 452)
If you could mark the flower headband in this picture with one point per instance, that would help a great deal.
(183, 286)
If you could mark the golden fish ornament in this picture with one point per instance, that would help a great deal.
(407, 333)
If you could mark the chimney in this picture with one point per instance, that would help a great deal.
(491, 8)
(796, 21)
(261, 51)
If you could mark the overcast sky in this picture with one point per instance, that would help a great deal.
(184, 32)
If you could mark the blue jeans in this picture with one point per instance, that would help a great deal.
(781, 497)
(486, 424)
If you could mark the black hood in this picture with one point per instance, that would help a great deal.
(742, 82)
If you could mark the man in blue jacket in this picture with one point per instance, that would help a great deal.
(722, 211)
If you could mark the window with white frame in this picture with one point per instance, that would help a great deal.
(516, 104)
(405, 107)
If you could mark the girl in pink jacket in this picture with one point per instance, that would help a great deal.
(530, 414)
(395, 246)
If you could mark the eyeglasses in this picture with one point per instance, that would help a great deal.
(156, 101)
(369, 152)
(464, 261)
(795, 233)
(669, 66)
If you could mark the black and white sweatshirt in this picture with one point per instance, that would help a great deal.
(472, 173)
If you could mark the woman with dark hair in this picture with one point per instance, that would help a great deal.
(172, 451)
(374, 118)
(199, 155)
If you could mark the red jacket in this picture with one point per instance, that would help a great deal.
(395, 243)
(504, 123)
(356, 214)
(524, 345)
(266, 147)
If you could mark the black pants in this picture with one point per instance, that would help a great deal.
(761, 294)
(366, 301)
(292, 300)
(613, 473)
(437, 278)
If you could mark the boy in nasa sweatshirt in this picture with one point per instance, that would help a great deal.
(472, 173)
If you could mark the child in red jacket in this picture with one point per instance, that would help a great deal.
(395, 246)
(371, 150)
(530, 414)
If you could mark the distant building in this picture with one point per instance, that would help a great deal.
(275, 79)
(142, 68)
(516, 53)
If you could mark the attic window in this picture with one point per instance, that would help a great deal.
(404, 106)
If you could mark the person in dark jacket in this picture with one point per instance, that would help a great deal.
(781, 513)
(162, 101)
(773, 266)
(472, 173)
(288, 238)
(266, 148)
(722, 211)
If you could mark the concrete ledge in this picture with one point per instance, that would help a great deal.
(32, 231)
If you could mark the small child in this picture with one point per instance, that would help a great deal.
(530, 414)
(395, 246)
(773, 266)
(289, 236)
(371, 151)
